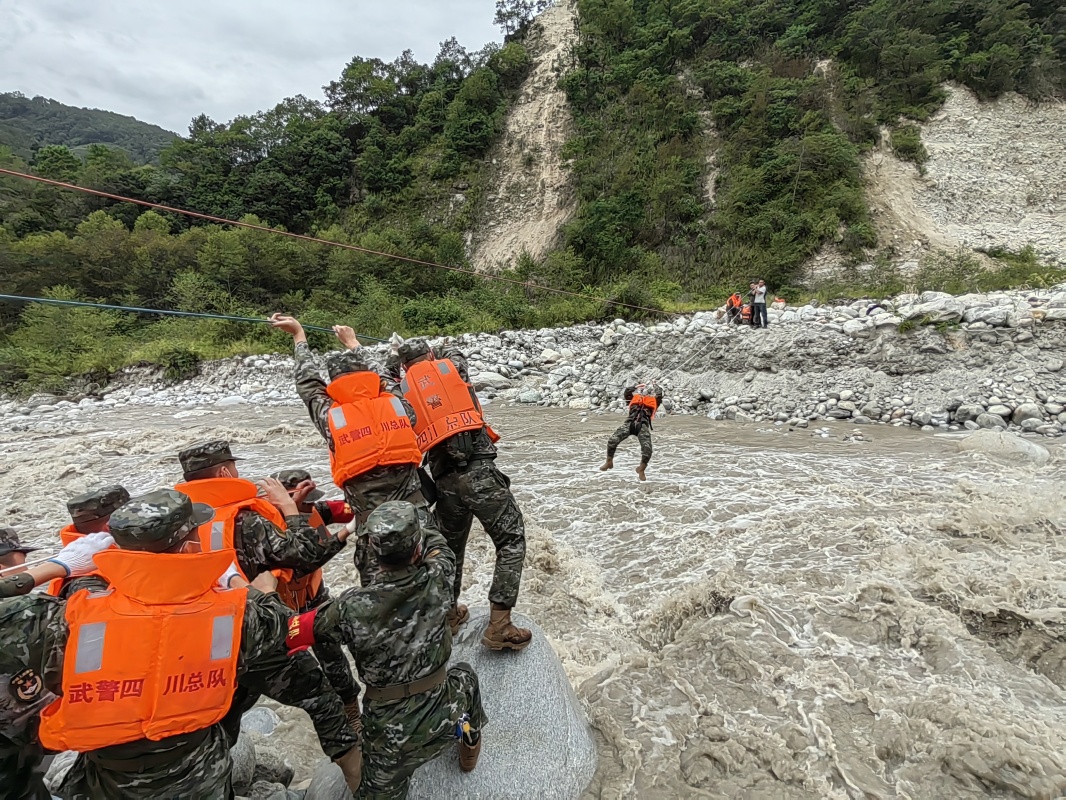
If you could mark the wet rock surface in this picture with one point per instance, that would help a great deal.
(537, 744)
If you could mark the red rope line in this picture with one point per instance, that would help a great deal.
(316, 240)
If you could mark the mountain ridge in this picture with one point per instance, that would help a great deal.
(29, 123)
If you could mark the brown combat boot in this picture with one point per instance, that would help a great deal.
(608, 465)
(502, 634)
(640, 472)
(456, 617)
(354, 714)
(468, 753)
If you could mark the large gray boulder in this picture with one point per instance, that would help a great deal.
(537, 743)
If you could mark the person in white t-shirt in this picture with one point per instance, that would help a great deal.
(759, 317)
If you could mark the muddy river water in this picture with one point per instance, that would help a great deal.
(901, 605)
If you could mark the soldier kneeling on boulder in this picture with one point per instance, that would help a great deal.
(397, 630)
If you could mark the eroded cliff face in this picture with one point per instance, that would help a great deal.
(996, 178)
(530, 198)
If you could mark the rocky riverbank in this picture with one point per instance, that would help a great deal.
(933, 362)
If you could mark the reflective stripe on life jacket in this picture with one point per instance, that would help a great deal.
(154, 656)
(229, 497)
(369, 428)
(444, 403)
(645, 397)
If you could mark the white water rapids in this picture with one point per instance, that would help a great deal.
(901, 627)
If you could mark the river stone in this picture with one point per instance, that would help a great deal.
(260, 720)
(530, 397)
(490, 380)
(272, 766)
(265, 790)
(537, 742)
(968, 411)
(1000, 410)
(991, 421)
(242, 755)
(327, 783)
(1027, 411)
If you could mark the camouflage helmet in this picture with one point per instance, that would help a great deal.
(291, 478)
(157, 521)
(412, 349)
(393, 529)
(97, 504)
(346, 361)
(10, 542)
(205, 455)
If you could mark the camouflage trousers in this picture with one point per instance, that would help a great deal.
(22, 773)
(484, 492)
(623, 433)
(366, 492)
(334, 663)
(400, 736)
(202, 773)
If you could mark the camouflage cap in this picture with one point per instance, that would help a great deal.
(9, 542)
(291, 478)
(97, 504)
(205, 455)
(346, 361)
(393, 529)
(157, 521)
(412, 349)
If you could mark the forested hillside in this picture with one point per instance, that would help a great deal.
(786, 95)
(30, 123)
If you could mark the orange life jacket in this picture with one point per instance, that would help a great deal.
(297, 593)
(369, 428)
(230, 496)
(444, 403)
(152, 657)
(735, 301)
(646, 400)
(745, 312)
(66, 536)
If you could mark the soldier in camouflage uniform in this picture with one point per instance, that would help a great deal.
(469, 484)
(396, 628)
(91, 513)
(378, 485)
(334, 663)
(33, 641)
(638, 424)
(12, 550)
(261, 546)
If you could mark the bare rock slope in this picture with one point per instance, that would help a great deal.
(530, 199)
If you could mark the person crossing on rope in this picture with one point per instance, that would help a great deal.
(643, 401)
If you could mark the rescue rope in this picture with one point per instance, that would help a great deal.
(316, 240)
(137, 310)
(25, 566)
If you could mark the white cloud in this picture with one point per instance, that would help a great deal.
(167, 62)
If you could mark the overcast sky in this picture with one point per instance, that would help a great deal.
(166, 62)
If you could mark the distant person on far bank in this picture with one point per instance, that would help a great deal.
(759, 317)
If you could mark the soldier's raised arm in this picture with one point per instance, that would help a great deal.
(308, 375)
